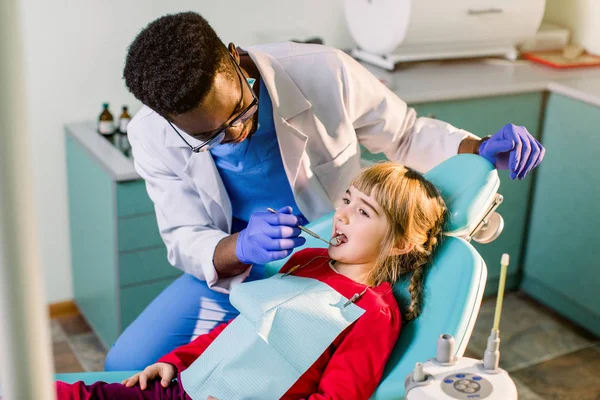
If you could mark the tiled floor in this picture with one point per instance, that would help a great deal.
(547, 357)
(76, 347)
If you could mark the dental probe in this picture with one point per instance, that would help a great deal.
(303, 229)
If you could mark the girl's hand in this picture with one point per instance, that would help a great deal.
(159, 370)
(212, 398)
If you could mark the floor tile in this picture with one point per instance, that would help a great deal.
(74, 325)
(529, 332)
(64, 358)
(471, 353)
(89, 350)
(572, 376)
(525, 392)
(58, 335)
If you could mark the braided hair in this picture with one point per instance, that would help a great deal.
(416, 213)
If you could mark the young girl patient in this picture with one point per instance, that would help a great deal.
(387, 224)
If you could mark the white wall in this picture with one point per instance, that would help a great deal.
(74, 52)
(581, 17)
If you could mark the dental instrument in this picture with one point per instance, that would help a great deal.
(336, 241)
(311, 233)
(449, 377)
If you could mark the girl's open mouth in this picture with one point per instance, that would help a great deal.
(338, 239)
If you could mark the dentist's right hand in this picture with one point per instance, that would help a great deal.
(268, 237)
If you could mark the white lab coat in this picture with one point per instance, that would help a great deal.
(324, 105)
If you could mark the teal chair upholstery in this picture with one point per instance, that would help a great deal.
(91, 377)
(454, 284)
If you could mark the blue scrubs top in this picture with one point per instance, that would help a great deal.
(252, 171)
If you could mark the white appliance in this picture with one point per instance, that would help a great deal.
(392, 31)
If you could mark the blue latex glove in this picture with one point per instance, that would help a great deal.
(268, 237)
(513, 148)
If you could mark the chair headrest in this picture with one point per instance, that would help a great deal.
(468, 184)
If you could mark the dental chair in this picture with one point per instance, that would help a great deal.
(455, 280)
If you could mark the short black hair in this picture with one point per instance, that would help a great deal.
(171, 64)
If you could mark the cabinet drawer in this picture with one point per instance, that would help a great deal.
(138, 232)
(144, 266)
(132, 199)
(135, 299)
(561, 261)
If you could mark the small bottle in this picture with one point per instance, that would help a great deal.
(124, 120)
(123, 142)
(106, 125)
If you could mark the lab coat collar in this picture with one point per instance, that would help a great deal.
(288, 100)
(200, 162)
(211, 181)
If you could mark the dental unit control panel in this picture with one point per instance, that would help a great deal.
(449, 377)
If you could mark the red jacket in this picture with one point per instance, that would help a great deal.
(352, 366)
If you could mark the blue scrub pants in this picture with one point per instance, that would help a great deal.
(180, 313)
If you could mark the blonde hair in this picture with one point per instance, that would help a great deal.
(416, 213)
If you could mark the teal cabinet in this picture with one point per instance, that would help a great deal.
(93, 244)
(562, 262)
(483, 117)
(119, 262)
(133, 199)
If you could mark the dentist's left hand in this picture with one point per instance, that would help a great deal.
(268, 237)
(513, 148)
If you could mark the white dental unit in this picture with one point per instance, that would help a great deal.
(449, 377)
(388, 32)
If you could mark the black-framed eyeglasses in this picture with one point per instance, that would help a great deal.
(219, 135)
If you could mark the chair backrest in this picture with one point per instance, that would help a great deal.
(455, 280)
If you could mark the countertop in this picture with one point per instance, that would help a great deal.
(414, 83)
(454, 80)
(119, 167)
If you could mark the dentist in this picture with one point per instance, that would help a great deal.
(225, 133)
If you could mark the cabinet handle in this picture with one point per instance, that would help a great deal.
(484, 11)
